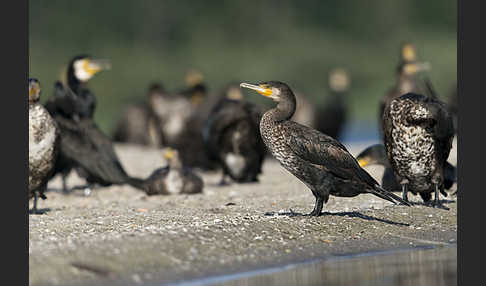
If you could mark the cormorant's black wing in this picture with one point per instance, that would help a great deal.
(86, 145)
(319, 149)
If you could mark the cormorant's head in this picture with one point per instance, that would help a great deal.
(275, 90)
(338, 80)
(408, 53)
(193, 77)
(172, 156)
(374, 154)
(34, 90)
(83, 68)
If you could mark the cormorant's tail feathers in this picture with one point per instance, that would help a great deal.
(136, 183)
(387, 195)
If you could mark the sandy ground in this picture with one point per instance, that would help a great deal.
(120, 236)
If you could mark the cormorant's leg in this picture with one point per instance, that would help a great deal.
(317, 207)
(34, 208)
(405, 192)
(64, 183)
(437, 203)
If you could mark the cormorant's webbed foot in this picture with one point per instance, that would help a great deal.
(317, 207)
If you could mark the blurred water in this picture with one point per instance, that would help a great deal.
(426, 266)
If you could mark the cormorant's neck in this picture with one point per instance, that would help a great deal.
(73, 82)
(284, 110)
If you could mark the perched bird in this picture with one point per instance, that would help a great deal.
(138, 124)
(43, 144)
(174, 178)
(408, 79)
(331, 118)
(232, 137)
(318, 160)
(418, 132)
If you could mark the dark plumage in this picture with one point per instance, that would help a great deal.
(232, 137)
(331, 118)
(84, 147)
(138, 124)
(43, 144)
(418, 132)
(173, 179)
(376, 154)
(318, 160)
(454, 107)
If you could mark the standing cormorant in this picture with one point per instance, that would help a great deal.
(418, 132)
(174, 178)
(232, 137)
(331, 118)
(319, 161)
(43, 144)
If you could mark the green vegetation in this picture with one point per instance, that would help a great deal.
(293, 41)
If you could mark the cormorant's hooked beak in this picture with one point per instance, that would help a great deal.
(363, 162)
(34, 90)
(168, 154)
(261, 89)
(93, 66)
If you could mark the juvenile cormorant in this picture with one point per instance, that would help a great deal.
(43, 144)
(318, 160)
(418, 132)
(331, 118)
(174, 178)
(232, 137)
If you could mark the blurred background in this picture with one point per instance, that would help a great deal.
(296, 42)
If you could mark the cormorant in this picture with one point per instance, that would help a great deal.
(418, 132)
(174, 178)
(43, 144)
(331, 118)
(321, 162)
(138, 124)
(232, 137)
(376, 154)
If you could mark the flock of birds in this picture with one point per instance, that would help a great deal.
(225, 131)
